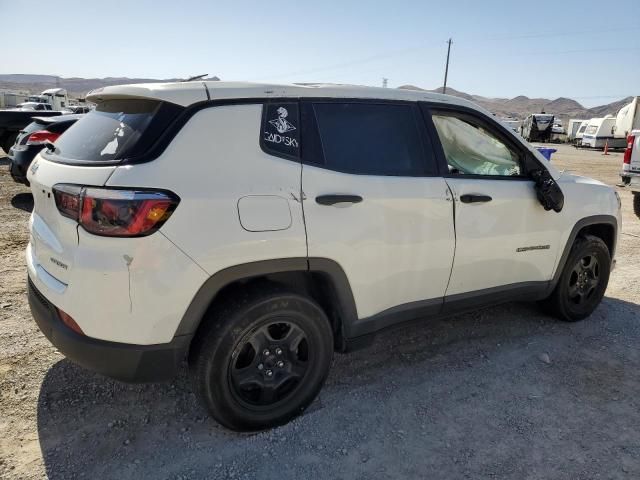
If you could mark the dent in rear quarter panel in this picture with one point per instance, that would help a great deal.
(212, 163)
(130, 290)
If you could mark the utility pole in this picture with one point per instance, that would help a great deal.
(384, 82)
(446, 69)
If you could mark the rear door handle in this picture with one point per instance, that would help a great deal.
(474, 198)
(333, 199)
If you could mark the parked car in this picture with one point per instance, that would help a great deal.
(34, 106)
(631, 168)
(15, 120)
(256, 229)
(32, 139)
(78, 109)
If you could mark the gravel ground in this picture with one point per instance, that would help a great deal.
(504, 392)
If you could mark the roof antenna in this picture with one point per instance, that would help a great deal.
(197, 77)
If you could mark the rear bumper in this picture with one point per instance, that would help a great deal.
(19, 164)
(129, 363)
(17, 174)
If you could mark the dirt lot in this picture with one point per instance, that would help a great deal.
(504, 392)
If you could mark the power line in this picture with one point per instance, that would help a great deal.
(560, 34)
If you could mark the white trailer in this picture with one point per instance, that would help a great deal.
(573, 127)
(627, 120)
(10, 99)
(599, 132)
(580, 132)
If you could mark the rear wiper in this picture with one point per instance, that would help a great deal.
(51, 148)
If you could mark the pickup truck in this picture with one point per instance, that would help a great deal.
(631, 168)
(12, 121)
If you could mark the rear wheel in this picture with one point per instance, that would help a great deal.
(262, 360)
(583, 280)
(636, 204)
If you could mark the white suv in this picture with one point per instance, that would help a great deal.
(256, 229)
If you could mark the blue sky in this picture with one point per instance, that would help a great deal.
(587, 50)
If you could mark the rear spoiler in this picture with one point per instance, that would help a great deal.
(180, 93)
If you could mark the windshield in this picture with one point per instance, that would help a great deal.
(543, 118)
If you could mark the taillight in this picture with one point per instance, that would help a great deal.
(115, 212)
(41, 137)
(627, 153)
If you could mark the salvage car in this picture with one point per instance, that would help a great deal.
(32, 139)
(257, 229)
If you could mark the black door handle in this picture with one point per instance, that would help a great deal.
(473, 198)
(333, 199)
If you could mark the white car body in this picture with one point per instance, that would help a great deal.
(631, 170)
(411, 242)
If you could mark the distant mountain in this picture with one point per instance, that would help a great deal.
(518, 107)
(76, 87)
(521, 106)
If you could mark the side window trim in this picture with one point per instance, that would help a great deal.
(430, 109)
(312, 150)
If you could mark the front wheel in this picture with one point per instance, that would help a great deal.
(262, 360)
(583, 280)
(636, 204)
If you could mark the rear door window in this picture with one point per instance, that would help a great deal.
(372, 139)
(116, 129)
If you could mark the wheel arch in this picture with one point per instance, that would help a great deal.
(322, 279)
(602, 226)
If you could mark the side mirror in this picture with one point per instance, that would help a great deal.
(547, 190)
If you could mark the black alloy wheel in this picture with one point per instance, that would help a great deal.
(583, 280)
(269, 363)
(261, 357)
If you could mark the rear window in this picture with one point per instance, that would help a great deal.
(116, 129)
(543, 118)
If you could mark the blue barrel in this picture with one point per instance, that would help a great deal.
(546, 152)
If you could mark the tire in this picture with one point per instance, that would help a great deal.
(575, 298)
(636, 204)
(249, 337)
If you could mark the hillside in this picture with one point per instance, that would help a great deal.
(521, 106)
(76, 87)
(518, 107)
